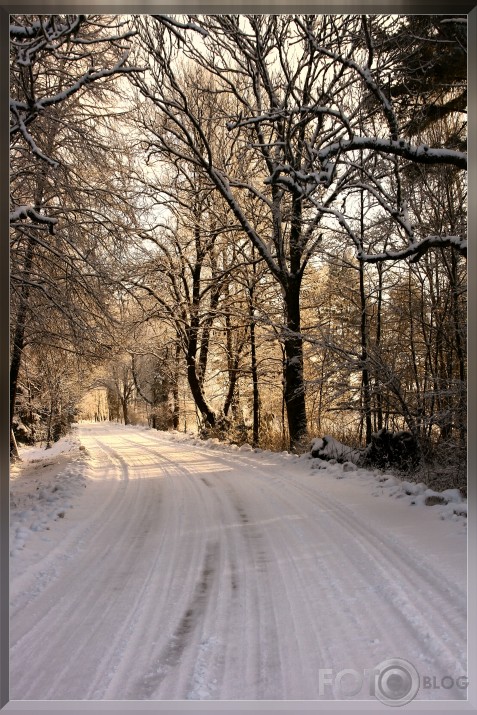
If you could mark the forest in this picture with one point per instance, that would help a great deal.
(248, 226)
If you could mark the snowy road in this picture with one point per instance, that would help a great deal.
(189, 573)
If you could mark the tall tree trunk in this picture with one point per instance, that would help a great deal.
(48, 431)
(294, 381)
(365, 393)
(256, 395)
(420, 408)
(205, 334)
(19, 339)
(366, 396)
(196, 389)
(124, 405)
(194, 373)
(232, 362)
(175, 391)
(458, 321)
(234, 353)
(230, 399)
(379, 393)
(283, 402)
(19, 334)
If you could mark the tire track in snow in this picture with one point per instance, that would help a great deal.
(388, 610)
(404, 568)
(206, 652)
(257, 651)
(126, 630)
(257, 663)
(288, 613)
(171, 655)
(235, 591)
(75, 629)
(339, 593)
(181, 579)
(435, 601)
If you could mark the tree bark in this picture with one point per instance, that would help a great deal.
(195, 372)
(19, 339)
(378, 386)
(294, 384)
(124, 405)
(205, 333)
(366, 397)
(175, 391)
(195, 387)
(256, 395)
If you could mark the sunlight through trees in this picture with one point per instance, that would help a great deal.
(252, 226)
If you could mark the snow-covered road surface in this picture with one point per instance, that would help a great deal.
(182, 572)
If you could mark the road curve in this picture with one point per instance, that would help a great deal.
(200, 574)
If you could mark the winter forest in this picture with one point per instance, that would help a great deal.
(252, 227)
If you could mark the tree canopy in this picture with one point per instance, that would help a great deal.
(236, 219)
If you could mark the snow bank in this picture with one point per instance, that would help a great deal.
(449, 503)
(35, 454)
(43, 488)
(340, 461)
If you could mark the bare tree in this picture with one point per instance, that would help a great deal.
(65, 216)
(247, 59)
(53, 57)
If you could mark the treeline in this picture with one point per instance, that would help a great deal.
(254, 222)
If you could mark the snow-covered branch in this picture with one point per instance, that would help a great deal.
(364, 72)
(460, 20)
(86, 79)
(174, 24)
(30, 43)
(416, 250)
(421, 154)
(306, 112)
(21, 127)
(28, 212)
(46, 33)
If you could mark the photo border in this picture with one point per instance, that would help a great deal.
(263, 7)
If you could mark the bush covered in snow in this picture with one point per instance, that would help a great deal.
(329, 448)
(392, 449)
(399, 450)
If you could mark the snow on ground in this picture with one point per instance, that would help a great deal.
(43, 487)
(150, 565)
